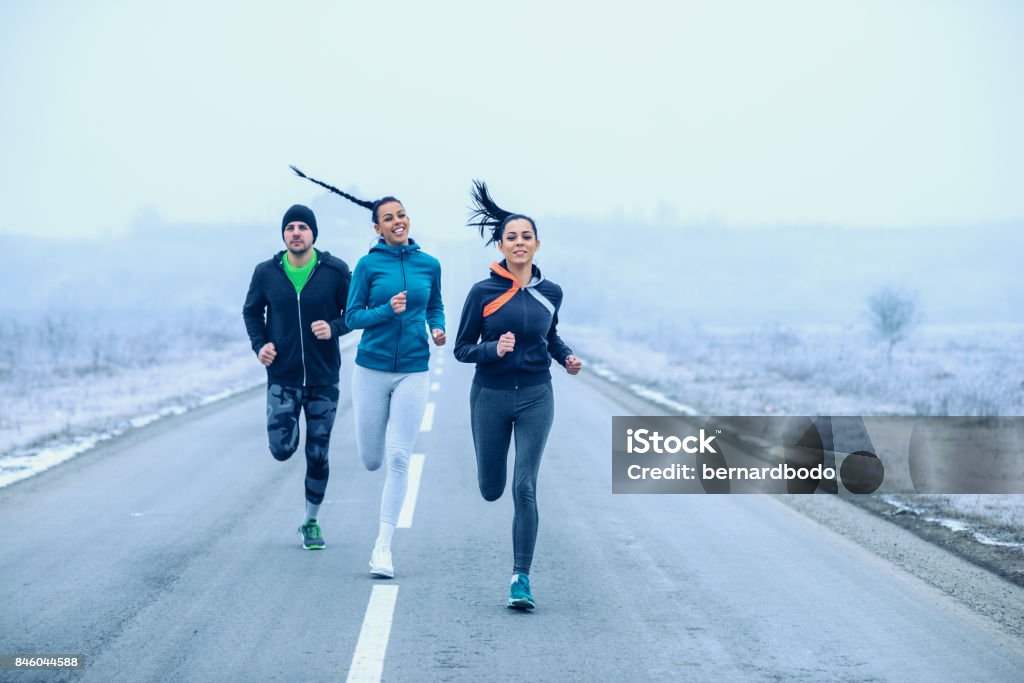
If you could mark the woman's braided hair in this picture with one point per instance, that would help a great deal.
(372, 206)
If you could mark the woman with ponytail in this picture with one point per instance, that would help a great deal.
(395, 293)
(509, 329)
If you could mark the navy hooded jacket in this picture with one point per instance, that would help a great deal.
(302, 359)
(532, 316)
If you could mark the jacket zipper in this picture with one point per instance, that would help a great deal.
(519, 360)
(401, 261)
(302, 344)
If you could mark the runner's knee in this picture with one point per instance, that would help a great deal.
(282, 452)
(398, 461)
(524, 491)
(491, 492)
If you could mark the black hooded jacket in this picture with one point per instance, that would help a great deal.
(531, 314)
(302, 359)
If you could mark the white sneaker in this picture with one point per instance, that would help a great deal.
(380, 562)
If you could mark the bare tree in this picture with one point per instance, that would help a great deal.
(893, 314)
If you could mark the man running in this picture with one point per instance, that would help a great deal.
(294, 314)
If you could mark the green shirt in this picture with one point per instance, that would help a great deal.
(298, 276)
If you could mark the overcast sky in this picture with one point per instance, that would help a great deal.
(893, 113)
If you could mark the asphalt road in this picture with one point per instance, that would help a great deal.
(171, 554)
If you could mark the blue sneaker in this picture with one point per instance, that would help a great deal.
(519, 593)
(312, 537)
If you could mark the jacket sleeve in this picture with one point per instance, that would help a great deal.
(253, 312)
(435, 308)
(468, 347)
(338, 326)
(558, 349)
(357, 315)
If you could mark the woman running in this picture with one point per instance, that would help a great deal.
(509, 329)
(395, 292)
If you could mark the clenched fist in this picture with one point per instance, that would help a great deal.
(398, 303)
(506, 343)
(321, 330)
(267, 354)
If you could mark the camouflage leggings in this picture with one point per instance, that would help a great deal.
(283, 407)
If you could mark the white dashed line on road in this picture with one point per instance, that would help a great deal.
(428, 418)
(368, 659)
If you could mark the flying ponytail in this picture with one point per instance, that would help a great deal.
(490, 218)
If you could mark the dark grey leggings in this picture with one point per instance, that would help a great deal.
(283, 407)
(495, 415)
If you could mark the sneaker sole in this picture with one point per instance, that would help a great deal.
(521, 603)
(382, 572)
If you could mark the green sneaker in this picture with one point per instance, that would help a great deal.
(312, 537)
(519, 593)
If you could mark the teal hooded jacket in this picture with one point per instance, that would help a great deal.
(395, 342)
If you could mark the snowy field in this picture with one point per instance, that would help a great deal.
(804, 370)
(69, 381)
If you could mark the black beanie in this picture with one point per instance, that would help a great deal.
(298, 212)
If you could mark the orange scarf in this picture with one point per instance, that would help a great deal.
(504, 298)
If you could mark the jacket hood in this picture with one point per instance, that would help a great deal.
(535, 279)
(396, 251)
(324, 258)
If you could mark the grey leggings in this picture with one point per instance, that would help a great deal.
(495, 415)
(388, 408)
